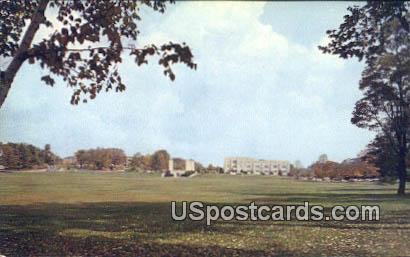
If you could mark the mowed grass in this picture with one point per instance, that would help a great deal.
(128, 214)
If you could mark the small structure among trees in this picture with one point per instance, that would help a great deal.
(179, 171)
(323, 158)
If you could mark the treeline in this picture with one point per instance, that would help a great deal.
(336, 170)
(101, 158)
(114, 158)
(26, 156)
(157, 161)
(355, 168)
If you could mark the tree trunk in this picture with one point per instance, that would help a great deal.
(402, 173)
(7, 76)
(4, 88)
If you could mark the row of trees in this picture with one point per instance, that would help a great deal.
(336, 170)
(101, 158)
(157, 161)
(26, 156)
(348, 169)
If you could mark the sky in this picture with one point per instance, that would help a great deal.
(262, 89)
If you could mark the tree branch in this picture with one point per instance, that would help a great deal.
(96, 48)
(9, 74)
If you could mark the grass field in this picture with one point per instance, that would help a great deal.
(122, 214)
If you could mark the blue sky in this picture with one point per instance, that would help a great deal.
(262, 89)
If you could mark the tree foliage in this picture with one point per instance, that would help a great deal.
(362, 33)
(158, 161)
(101, 158)
(179, 163)
(379, 33)
(336, 170)
(86, 43)
(380, 153)
(26, 156)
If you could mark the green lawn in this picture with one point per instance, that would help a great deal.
(120, 214)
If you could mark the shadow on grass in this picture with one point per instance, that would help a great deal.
(129, 228)
(375, 190)
(389, 219)
(330, 198)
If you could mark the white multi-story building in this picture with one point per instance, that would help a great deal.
(255, 166)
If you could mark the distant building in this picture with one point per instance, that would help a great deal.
(189, 166)
(171, 165)
(256, 166)
(70, 160)
(323, 158)
(298, 164)
(128, 161)
(352, 161)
